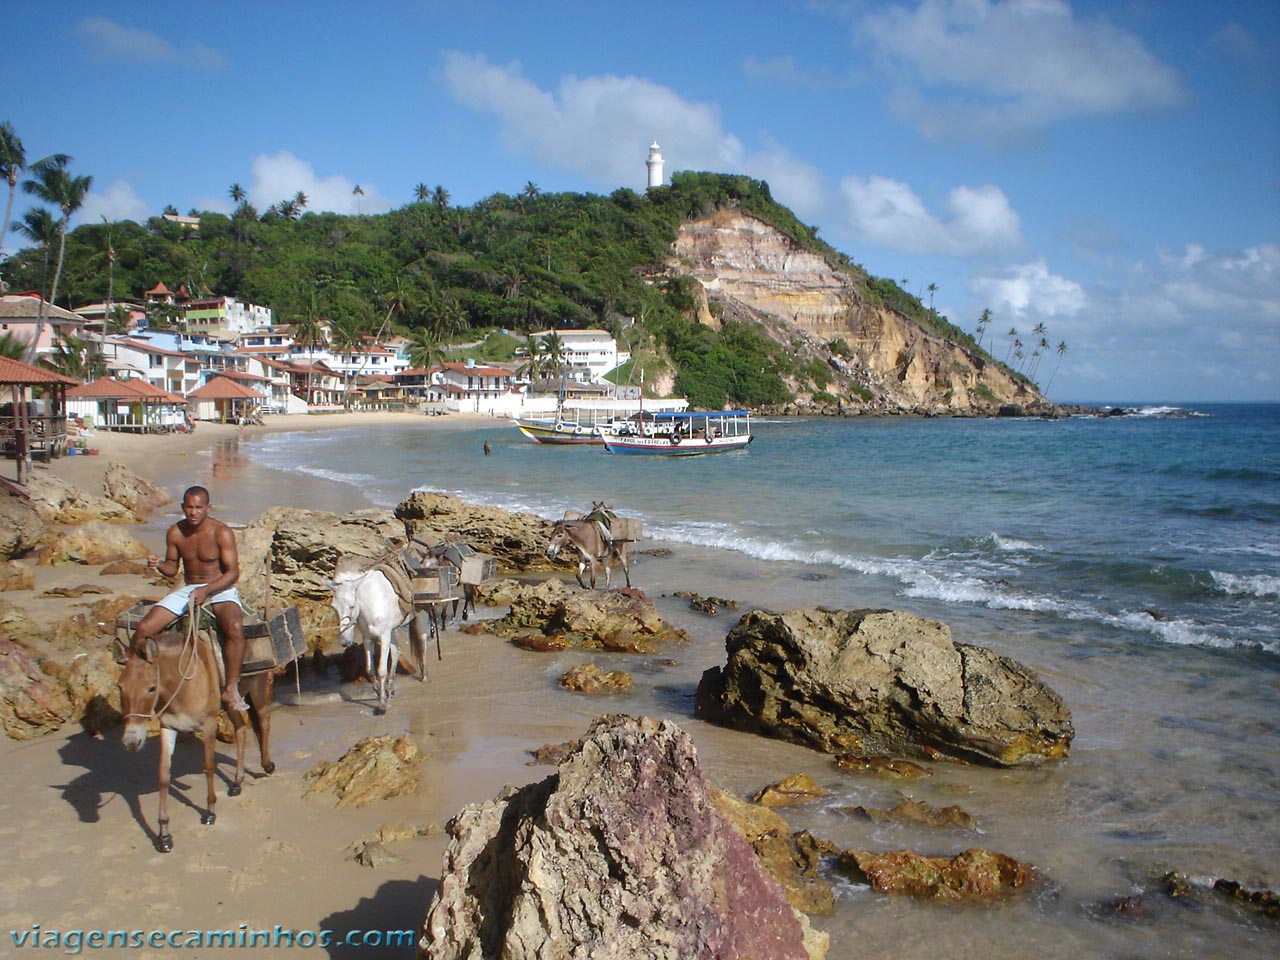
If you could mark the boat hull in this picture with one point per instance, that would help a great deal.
(557, 433)
(663, 447)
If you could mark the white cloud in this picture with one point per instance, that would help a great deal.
(281, 175)
(1029, 291)
(889, 213)
(593, 126)
(993, 69)
(111, 42)
(117, 202)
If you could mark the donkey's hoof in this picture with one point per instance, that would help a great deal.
(209, 818)
(233, 790)
(268, 768)
(164, 843)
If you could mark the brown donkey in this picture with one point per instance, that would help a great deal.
(178, 684)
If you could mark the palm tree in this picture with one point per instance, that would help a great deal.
(553, 351)
(116, 321)
(237, 194)
(984, 321)
(347, 333)
(12, 161)
(55, 186)
(300, 200)
(424, 348)
(357, 192)
(421, 192)
(39, 226)
(533, 350)
(308, 330)
(71, 357)
(11, 347)
(1013, 335)
(109, 251)
(932, 288)
(288, 209)
(440, 198)
(1042, 347)
(1062, 348)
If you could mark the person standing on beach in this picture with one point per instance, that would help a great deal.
(206, 551)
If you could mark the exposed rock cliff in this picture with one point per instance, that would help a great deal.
(753, 271)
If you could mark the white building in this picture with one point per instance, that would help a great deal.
(593, 351)
(225, 317)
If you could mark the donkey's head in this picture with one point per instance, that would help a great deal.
(139, 693)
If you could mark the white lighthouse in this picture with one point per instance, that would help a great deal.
(654, 163)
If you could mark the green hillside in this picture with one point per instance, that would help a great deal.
(434, 271)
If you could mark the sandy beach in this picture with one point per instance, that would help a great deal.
(77, 809)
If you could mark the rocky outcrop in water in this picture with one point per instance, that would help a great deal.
(621, 853)
(882, 682)
(971, 876)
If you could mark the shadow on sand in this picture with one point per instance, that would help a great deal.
(111, 773)
(389, 922)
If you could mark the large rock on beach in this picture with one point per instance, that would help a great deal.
(31, 703)
(374, 769)
(882, 682)
(517, 540)
(622, 621)
(622, 853)
(288, 555)
(124, 487)
(21, 525)
(60, 502)
(91, 543)
(16, 575)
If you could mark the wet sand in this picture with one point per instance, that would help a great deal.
(78, 813)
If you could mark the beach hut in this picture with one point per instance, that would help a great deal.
(28, 425)
(226, 399)
(130, 405)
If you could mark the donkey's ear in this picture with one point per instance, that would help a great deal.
(151, 650)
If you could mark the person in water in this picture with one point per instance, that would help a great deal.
(205, 550)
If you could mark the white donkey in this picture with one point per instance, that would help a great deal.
(369, 613)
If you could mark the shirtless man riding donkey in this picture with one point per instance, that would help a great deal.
(205, 549)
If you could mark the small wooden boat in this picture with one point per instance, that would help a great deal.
(679, 434)
(557, 430)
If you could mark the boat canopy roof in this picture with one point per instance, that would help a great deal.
(667, 416)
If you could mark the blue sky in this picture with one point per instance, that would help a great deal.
(1111, 170)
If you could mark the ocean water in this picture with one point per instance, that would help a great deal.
(1133, 561)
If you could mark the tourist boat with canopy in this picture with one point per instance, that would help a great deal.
(679, 434)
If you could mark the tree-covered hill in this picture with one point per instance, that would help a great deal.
(518, 262)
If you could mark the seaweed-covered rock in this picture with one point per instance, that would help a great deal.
(882, 682)
(974, 875)
(588, 678)
(622, 853)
